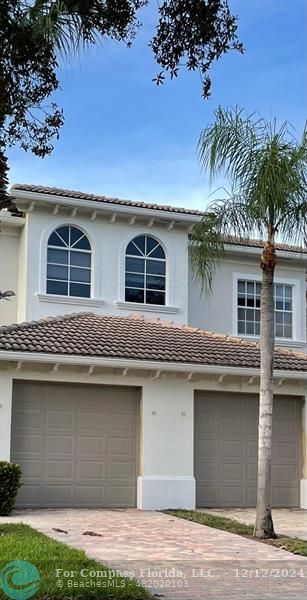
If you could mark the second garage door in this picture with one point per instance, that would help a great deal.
(226, 432)
(76, 444)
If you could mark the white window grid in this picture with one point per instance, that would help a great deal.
(248, 309)
(69, 249)
(145, 257)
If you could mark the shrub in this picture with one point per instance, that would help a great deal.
(10, 475)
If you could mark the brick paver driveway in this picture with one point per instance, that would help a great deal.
(177, 559)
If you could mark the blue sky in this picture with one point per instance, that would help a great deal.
(125, 137)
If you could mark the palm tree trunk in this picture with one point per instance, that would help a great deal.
(264, 527)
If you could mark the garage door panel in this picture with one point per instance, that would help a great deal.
(283, 429)
(56, 495)
(251, 427)
(29, 495)
(251, 496)
(286, 409)
(119, 495)
(26, 444)
(226, 452)
(55, 399)
(71, 396)
(285, 473)
(87, 443)
(204, 426)
(59, 445)
(91, 420)
(120, 470)
(120, 446)
(26, 395)
(284, 495)
(31, 468)
(229, 449)
(124, 405)
(206, 471)
(232, 496)
(229, 427)
(59, 419)
(90, 446)
(251, 472)
(56, 469)
(285, 451)
(125, 425)
(211, 493)
(206, 448)
(251, 450)
(231, 472)
(90, 470)
(27, 419)
(89, 495)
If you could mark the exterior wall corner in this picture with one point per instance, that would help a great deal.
(6, 389)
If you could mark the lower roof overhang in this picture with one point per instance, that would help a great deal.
(146, 365)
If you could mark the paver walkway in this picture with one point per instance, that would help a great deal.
(177, 559)
(287, 521)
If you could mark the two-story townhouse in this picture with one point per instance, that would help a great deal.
(107, 399)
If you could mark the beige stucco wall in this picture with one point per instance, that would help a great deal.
(217, 311)
(9, 267)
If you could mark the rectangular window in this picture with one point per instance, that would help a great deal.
(248, 308)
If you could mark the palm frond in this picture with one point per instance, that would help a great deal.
(233, 218)
(266, 166)
(293, 227)
(206, 248)
(59, 22)
(225, 146)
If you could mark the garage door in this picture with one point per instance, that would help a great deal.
(226, 432)
(76, 444)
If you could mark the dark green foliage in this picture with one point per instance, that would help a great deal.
(10, 475)
(193, 34)
(4, 197)
(27, 78)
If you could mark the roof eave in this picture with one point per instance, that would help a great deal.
(24, 199)
(6, 218)
(98, 361)
(256, 250)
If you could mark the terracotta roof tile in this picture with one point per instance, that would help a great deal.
(54, 191)
(61, 192)
(135, 337)
(254, 243)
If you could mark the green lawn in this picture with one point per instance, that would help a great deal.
(294, 545)
(21, 542)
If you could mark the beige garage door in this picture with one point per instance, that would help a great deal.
(76, 444)
(226, 431)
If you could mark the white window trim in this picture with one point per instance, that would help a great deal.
(157, 308)
(77, 300)
(169, 306)
(296, 308)
(41, 294)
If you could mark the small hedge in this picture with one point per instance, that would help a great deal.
(10, 475)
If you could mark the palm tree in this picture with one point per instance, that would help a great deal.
(266, 166)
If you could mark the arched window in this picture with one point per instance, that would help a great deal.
(69, 263)
(145, 271)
